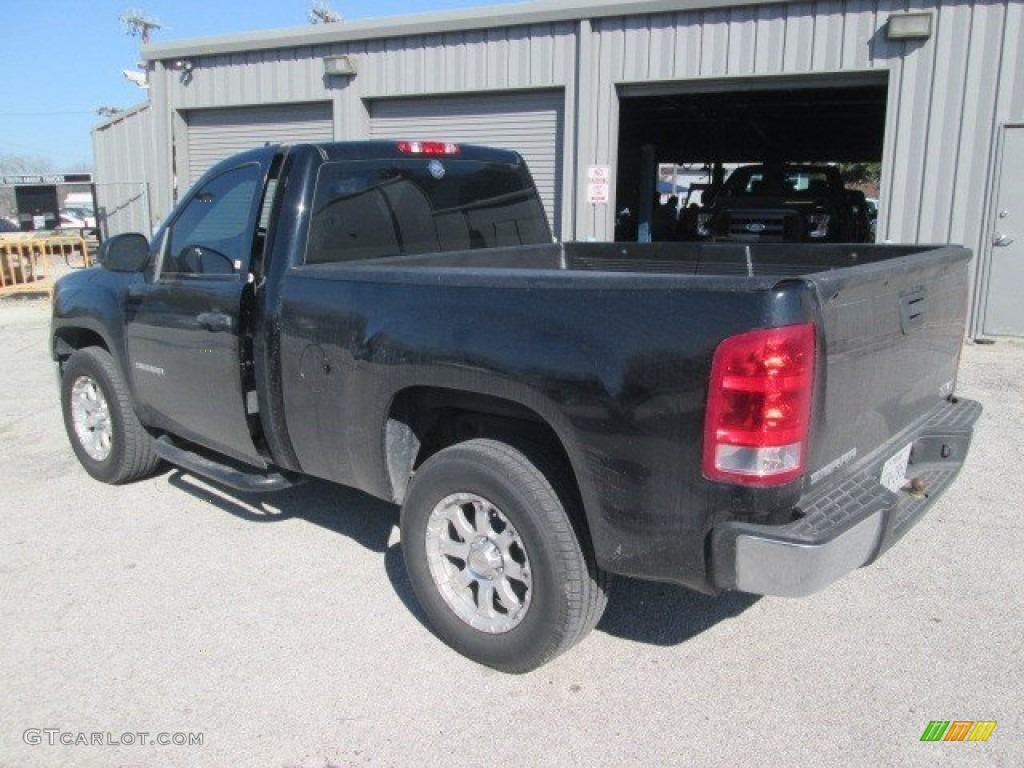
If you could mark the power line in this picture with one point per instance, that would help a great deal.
(47, 114)
(7, 146)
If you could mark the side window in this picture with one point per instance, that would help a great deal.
(212, 235)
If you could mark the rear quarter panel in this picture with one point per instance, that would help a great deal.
(617, 365)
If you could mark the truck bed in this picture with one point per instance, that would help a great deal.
(693, 258)
(624, 335)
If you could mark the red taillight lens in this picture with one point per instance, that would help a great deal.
(428, 148)
(759, 406)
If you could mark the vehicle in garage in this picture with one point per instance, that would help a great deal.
(785, 203)
(396, 317)
(872, 204)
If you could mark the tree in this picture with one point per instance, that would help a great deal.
(11, 165)
(862, 174)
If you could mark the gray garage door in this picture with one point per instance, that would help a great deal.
(530, 123)
(213, 134)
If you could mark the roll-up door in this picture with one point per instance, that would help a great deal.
(529, 122)
(214, 134)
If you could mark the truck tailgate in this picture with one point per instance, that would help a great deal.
(892, 333)
(887, 435)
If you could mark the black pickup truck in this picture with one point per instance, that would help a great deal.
(396, 317)
(785, 203)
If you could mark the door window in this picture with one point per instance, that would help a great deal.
(212, 235)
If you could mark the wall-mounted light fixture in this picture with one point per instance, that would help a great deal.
(909, 26)
(339, 65)
(185, 67)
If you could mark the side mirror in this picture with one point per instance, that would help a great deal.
(125, 253)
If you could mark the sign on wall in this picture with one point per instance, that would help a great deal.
(598, 184)
(46, 178)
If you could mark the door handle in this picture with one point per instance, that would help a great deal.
(1001, 240)
(214, 321)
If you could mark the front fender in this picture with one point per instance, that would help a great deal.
(88, 310)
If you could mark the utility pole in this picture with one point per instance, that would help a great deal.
(137, 23)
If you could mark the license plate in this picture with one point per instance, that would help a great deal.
(894, 471)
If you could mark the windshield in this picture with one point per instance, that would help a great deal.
(764, 181)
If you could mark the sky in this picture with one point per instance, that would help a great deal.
(62, 59)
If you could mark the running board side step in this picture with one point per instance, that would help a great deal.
(233, 476)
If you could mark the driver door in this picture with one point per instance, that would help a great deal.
(183, 329)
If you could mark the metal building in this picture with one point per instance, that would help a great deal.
(125, 157)
(933, 89)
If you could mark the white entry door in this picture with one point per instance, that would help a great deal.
(1004, 313)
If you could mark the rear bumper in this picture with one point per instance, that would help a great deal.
(846, 525)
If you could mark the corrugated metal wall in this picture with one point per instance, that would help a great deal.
(123, 152)
(743, 42)
(248, 79)
(519, 57)
(947, 95)
(466, 63)
(943, 92)
(455, 63)
(533, 56)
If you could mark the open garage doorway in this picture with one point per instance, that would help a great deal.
(817, 143)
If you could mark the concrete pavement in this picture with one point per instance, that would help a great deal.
(283, 630)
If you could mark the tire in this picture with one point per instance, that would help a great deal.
(104, 431)
(494, 559)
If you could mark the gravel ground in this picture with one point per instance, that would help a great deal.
(283, 629)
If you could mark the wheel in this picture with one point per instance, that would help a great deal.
(493, 556)
(101, 424)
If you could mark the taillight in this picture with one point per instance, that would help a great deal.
(428, 148)
(759, 406)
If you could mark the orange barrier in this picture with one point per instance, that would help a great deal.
(31, 264)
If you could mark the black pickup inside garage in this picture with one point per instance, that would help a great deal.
(817, 122)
